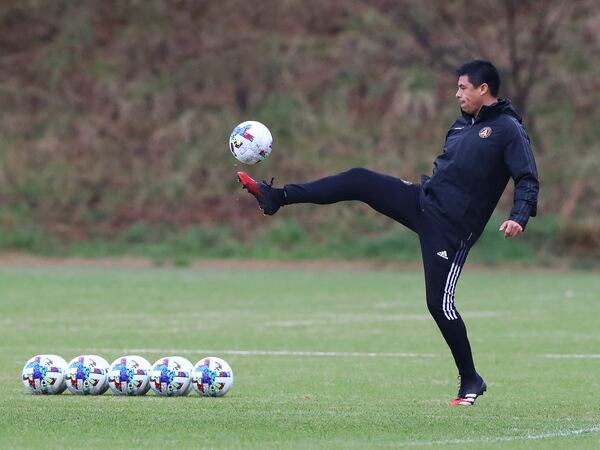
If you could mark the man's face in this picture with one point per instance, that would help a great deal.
(470, 98)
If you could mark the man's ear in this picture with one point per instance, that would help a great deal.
(483, 89)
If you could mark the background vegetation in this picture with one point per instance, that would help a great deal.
(116, 114)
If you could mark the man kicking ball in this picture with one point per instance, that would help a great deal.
(484, 147)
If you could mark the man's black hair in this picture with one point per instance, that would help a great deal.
(479, 72)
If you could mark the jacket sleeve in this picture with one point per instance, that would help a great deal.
(521, 165)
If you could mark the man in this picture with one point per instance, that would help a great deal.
(484, 147)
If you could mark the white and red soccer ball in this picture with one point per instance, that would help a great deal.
(129, 375)
(250, 142)
(171, 376)
(87, 375)
(212, 377)
(45, 374)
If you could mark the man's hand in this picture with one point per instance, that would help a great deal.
(511, 229)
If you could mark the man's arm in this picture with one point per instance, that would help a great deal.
(521, 165)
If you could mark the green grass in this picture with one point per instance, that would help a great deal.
(303, 401)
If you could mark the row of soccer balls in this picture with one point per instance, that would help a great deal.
(127, 375)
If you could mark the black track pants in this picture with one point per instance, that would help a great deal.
(443, 255)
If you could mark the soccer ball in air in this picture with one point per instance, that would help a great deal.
(250, 142)
(87, 375)
(45, 374)
(129, 375)
(171, 376)
(212, 377)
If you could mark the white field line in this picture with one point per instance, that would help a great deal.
(366, 318)
(491, 440)
(176, 351)
(573, 356)
(320, 320)
(179, 351)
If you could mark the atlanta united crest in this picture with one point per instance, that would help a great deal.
(485, 132)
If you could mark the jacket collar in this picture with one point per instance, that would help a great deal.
(502, 106)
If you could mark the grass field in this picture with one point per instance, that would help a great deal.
(323, 358)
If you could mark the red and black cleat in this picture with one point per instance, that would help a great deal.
(269, 198)
(467, 400)
(248, 183)
(469, 391)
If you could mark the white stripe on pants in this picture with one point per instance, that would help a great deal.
(448, 302)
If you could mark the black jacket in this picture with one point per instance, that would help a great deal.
(479, 156)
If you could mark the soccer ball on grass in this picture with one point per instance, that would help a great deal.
(171, 376)
(87, 375)
(212, 377)
(45, 374)
(129, 375)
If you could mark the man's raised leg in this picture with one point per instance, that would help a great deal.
(388, 195)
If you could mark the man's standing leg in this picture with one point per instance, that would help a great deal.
(443, 261)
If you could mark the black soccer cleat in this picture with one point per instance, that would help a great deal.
(469, 391)
(265, 193)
